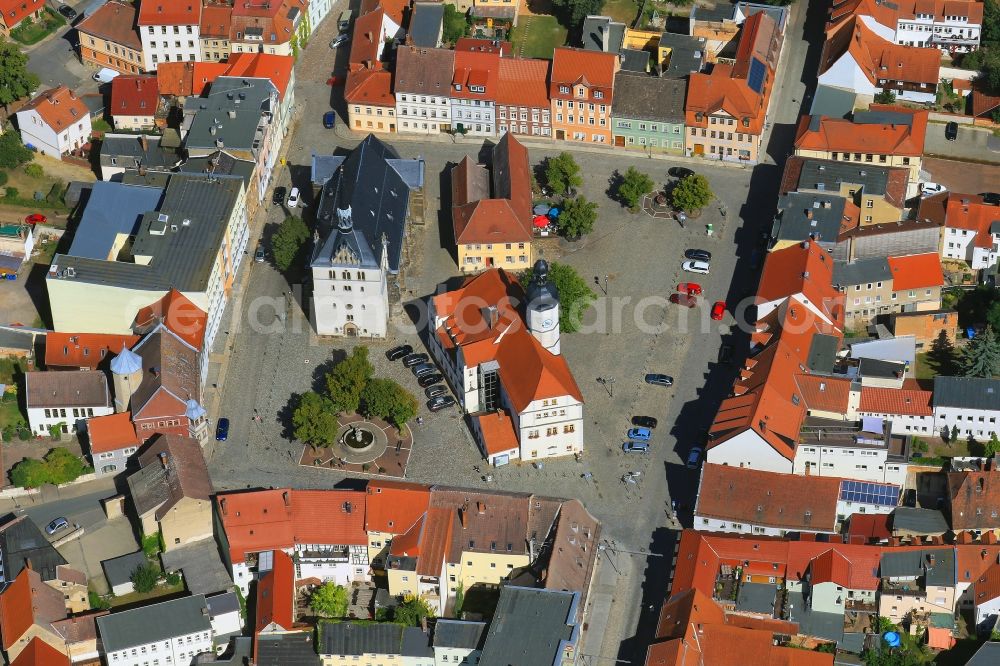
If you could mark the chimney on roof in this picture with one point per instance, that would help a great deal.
(222, 506)
(163, 459)
(286, 497)
(930, 560)
(462, 517)
(481, 508)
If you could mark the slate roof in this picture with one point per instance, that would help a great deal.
(647, 97)
(594, 29)
(530, 627)
(832, 102)
(987, 655)
(127, 151)
(424, 71)
(21, 540)
(114, 21)
(687, 54)
(373, 189)
(916, 563)
(918, 521)
(113, 209)
(967, 392)
(181, 259)
(171, 371)
(352, 639)
(425, 24)
(230, 114)
(292, 649)
(155, 622)
(807, 173)
(806, 215)
(119, 570)
(861, 271)
(220, 163)
(757, 597)
(459, 634)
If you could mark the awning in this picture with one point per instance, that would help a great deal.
(541, 209)
(540, 221)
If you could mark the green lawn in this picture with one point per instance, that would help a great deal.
(10, 413)
(32, 31)
(623, 11)
(159, 591)
(537, 36)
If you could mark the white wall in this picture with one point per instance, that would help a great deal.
(861, 463)
(906, 424)
(413, 112)
(36, 132)
(564, 414)
(169, 43)
(706, 524)
(343, 292)
(177, 651)
(978, 423)
(477, 120)
(748, 449)
(449, 656)
(40, 418)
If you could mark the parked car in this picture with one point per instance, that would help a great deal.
(293, 198)
(951, 131)
(258, 255)
(68, 12)
(641, 434)
(435, 391)
(696, 267)
(222, 430)
(105, 75)
(635, 447)
(35, 218)
(692, 288)
(718, 310)
(278, 197)
(440, 402)
(679, 172)
(423, 369)
(928, 189)
(694, 458)
(644, 421)
(429, 380)
(698, 255)
(659, 380)
(56, 525)
(338, 40)
(684, 299)
(399, 352)
(411, 360)
(329, 119)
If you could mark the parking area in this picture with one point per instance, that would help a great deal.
(965, 177)
(972, 143)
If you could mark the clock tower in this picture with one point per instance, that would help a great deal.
(542, 310)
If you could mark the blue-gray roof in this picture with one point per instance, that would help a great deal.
(459, 634)
(230, 114)
(967, 392)
(832, 102)
(323, 168)
(119, 570)
(687, 54)
(987, 655)
(806, 215)
(293, 649)
(650, 98)
(530, 627)
(353, 639)
(112, 209)
(757, 597)
(903, 349)
(598, 28)
(860, 271)
(425, 24)
(937, 564)
(21, 541)
(919, 521)
(156, 622)
(366, 200)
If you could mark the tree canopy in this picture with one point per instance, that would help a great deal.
(633, 185)
(286, 244)
(145, 577)
(981, 357)
(575, 295)
(577, 217)
(572, 12)
(58, 466)
(388, 400)
(314, 420)
(562, 173)
(15, 79)
(692, 193)
(348, 379)
(412, 611)
(456, 25)
(329, 600)
(13, 153)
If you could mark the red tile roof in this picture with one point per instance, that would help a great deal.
(768, 499)
(276, 595)
(880, 59)
(969, 212)
(939, 9)
(974, 497)
(528, 371)
(572, 66)
(215, 22)
(329, 516)
(179, 314)
(871, 526)
(367, 40)
(855, 574)
(838, 134)
(507, 217)
(276, 68)
(916, 271)
(473, 68)
(59, 108)
(170, 12)
(111, 433)
(720, 90)
(987, 586)
(522, 82)
(83, 350)
(498, 432)
(910, 401)
(28, 601)
(939, 638)
(114, 21)
(828, 394)
(972, 560)
(369, 86)
(273, 19)
(39, 653)
(394, 506)
(434, 541)
(806, 269)
(134, 95)
(505, 49)
(182, 79)
(12, 12)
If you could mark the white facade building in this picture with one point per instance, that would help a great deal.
(167, 633)
(476, 117)
(422, 88)
(967, 407)
(169, 32)
(850, 461)
(55, 122)
(65, 399)
(457, 641)
(954, 26)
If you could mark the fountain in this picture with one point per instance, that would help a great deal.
(358, 439)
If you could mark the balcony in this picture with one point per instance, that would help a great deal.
(904, 588)
(860, 605)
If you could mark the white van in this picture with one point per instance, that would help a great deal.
(105, 75)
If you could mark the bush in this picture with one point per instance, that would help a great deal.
(12, 152)
(34, 170)
(151, 545)
(173, 579)
(144, 578)
(59, 466)
(3, 178)
(12, 193)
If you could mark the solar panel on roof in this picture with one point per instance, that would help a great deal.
(756, 77)
(866, 492)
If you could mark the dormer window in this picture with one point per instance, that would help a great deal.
(564, 90)
(477, 89)
(458, 86)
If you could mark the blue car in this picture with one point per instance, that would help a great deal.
(329, 119)
(635, 447)
(642, 434)
(222, 430)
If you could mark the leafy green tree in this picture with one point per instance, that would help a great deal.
(981, 357)
(575, 295)
(12, 152)
(329, 600)
(572, 12)
(992, 447)
(634, 184)
(562, 173)
(991, 22)
(15, 79)
(577, 217)
(347, 380)
(58, 466)
(692, 193)
(986, 59)
(885, 97)
(388, 400)
(286, 244)
(456, 25)
(145, 577)
(412, 611)
(314, 420)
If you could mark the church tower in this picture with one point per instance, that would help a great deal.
(126, 375)
(542, 310)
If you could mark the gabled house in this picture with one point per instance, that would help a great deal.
(109, 38)
(966, 407)
(986, 595)
(879, 286)
(581, 91)
(371, 106)
(458, 641)
(15, 12)
(216, 21)
(523, 97)
(474, 90)
(837, 582)
(392, 509)
(493, 231)
(39, 653)
(56, 122)
(169, 32)
(649, 113)
(112, 441)
(135, 102)
(28, 609)
(953, 26)
(973, 501)
(127, 153)
(552, 615)
(83, 351)
(65, 400)
(274, 610)
(344, 643)
(971, 228)
(269, 27)
(916, 584)
(174, 631)
(171, 491)
(423, 89)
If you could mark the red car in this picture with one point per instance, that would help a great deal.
(718, 310)
(692, 288)
(684, 299)
(35, 218)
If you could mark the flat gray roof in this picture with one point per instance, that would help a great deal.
(459, 634)
(530, 627)
(832, 102)
(757, 598)
(294, 649)
(861, 271)
(968, 392)
(112, 209)
(593, 31)
(919, 521)
(917, 563)
(687, 54)
(230, 113)
(425, 24)
(806, 215)
(156, 622)
(353, 639)
(119, 570)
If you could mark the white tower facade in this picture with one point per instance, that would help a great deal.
(542, 309)
(126, 375)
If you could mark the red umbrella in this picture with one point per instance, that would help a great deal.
(541, 221)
